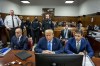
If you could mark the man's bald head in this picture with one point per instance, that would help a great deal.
(18, 32)
(11, 12)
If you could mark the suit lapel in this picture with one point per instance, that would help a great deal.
(21, 39)
(74, 44)
(16, 41)
(82, 44)
(53, 44)
(63, 33)
(68, 34)
(46, 43)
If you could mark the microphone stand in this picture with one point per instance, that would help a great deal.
(84, 58)
(85, 54)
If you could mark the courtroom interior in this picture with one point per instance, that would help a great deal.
(49, 27)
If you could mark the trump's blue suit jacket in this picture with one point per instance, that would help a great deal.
(22, 45)
(42, 45)
(70, 47)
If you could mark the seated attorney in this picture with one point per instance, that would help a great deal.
(96, 27)
(49, 44)
(19, 42)
(65, 35)
(78, 45)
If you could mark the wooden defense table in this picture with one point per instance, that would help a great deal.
(95, 45)
(9, 57)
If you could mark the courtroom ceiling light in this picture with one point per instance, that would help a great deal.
(25, 1)
(69, 1)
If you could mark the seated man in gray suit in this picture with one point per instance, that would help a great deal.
(19, 42)
(65, 34)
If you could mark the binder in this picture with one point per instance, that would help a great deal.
(23, 55)
(4, 51)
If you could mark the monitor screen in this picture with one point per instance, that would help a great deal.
(58, 60)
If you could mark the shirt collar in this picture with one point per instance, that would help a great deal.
(66, 29)
(78, 41)
(20, 37)
(51, 40)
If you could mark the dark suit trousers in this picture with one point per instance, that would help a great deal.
(12, 32)
(28, 32)
(3, 36)
(35, 36)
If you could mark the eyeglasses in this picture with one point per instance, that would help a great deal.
(17, 32)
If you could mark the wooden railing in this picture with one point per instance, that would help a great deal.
(57, 30)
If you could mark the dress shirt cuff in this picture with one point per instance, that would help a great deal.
(53, 52)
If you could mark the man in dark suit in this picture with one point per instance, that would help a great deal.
(89, 29)
(47, 23)
(78, 45)
(65, 35)
(49, 44)
(19, 42)
(27, 24)
(3, 37)
(35, 30)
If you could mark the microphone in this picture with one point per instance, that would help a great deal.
(85, 53)
(54, 64)
(84, 58)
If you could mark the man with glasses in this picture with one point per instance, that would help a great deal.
(19, 42)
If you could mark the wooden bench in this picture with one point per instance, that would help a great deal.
(57, 30)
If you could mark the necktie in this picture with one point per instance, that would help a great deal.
(13, 22)
(65, 33)
(78, 46)
(49, 46)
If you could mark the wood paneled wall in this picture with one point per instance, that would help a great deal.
(66, 18)
(87, 20)
(56, 18)
(97, 20)
(31, 17)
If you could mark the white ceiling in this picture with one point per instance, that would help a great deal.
(50, 2)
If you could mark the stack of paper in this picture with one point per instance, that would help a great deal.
(87, 61)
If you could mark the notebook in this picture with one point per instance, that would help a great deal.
(4, 51)
(23, 55)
